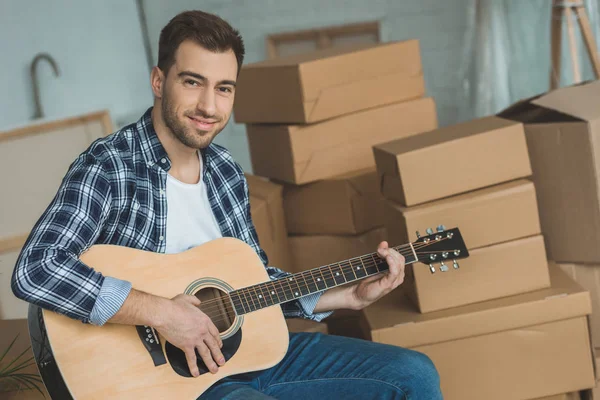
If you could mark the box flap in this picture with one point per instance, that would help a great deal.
(500, 190)
(443, 135)
(395, 317)
(296, 59)
(321, 102)
(580, 101)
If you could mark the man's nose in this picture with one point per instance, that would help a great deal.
(206, 102)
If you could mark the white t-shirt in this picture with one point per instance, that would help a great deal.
(190, 220)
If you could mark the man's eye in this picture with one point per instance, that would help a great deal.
(191, 82)
(225, 89)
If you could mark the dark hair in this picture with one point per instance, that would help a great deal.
(208, 30)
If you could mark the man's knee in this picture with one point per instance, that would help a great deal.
(420, 376)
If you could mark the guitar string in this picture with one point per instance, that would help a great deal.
(219, 318)
(305, 274)
(283, 290)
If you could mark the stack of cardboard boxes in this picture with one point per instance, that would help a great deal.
(562, 135)
(503, 325)
(311, 121)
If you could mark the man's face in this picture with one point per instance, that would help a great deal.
(198, 93)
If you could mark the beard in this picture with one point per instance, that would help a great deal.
(190, 137)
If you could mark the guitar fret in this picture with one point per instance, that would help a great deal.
(370, 269)
(312, 281)
(340, 279)
(348, 274)
(352, 268)
(238, 311)
(283, 291)
(257, 295)
(359, 270)
(323, 277)
(246, 298)
(307, 289)
(272, 293)
(376, 262)
(299, 292)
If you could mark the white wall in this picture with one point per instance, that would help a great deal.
(99, 50)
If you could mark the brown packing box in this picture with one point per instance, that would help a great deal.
(304, 325)
(588, 276)
(520, 347)
(312, 251)
(563, 396)
(452, 160)
(306, 153)
(327, 83)
(9, 329)
(487, 216)
(266, 206)
(562, 129)
(345, 204)
(490, 272)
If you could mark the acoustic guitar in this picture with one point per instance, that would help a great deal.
(115, 361)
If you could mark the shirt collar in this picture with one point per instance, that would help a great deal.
(152, 148)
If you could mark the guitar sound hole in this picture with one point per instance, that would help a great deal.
(216, 305)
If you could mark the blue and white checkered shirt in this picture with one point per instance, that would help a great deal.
(115, 193)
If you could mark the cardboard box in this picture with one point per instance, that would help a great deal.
(266, 207)
(520, 347)
(306, 153)
(562, 136)
(452, 160)
(312, 251)
(588, 276)
(328, 83)
(487, 216)
(563, 396)
(345, 204)
(305, 325)
(491, 272)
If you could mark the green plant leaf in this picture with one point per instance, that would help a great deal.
(8, 348)
(18, 367)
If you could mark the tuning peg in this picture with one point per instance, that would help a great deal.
(443, 267)
(429, 231)
(455, 264)
(432, 268)
(441, 228)
(418, 235)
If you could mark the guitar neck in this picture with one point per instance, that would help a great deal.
(295, 286)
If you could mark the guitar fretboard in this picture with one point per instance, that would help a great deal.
(302, 284)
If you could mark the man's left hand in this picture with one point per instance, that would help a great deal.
(373, 288)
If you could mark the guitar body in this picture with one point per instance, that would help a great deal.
(112, 362)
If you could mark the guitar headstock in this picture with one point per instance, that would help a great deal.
(444, 246)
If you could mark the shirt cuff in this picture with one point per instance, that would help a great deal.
(110, 299)
(308, 304)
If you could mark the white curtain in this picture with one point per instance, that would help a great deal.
(506, 53)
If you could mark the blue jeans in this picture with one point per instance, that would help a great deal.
(319, 366)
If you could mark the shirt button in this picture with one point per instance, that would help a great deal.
(163, 160)
(162, 192)
(136, 206)
(161, 238)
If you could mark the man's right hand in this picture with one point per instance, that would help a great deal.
(188, 328)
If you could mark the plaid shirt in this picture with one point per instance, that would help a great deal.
(115, 193)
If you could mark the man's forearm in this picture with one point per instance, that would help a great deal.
(141, 308)
(337, 298)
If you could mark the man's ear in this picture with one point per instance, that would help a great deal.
(157, 80)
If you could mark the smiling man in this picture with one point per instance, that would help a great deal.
(162, 185)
